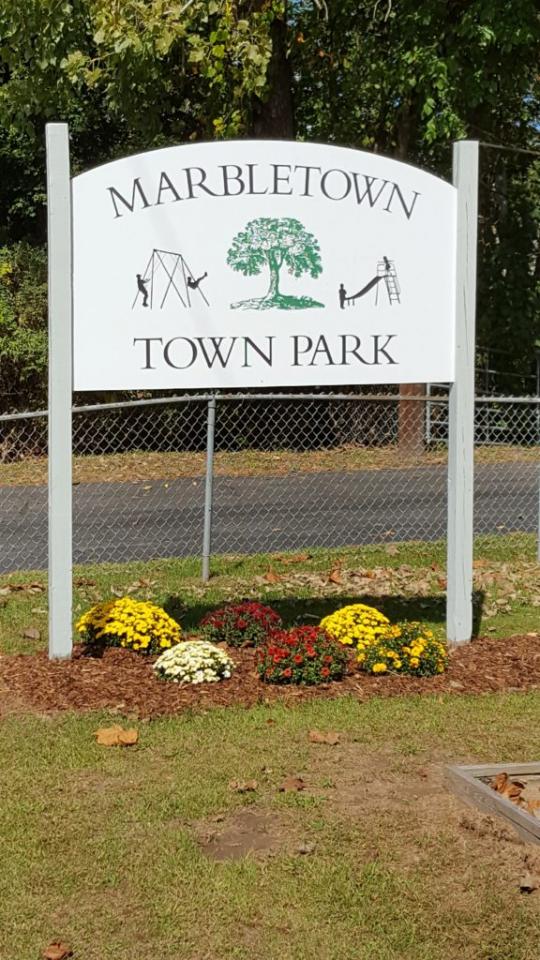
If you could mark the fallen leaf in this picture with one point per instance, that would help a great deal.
(128, 738)
(117, 593)
(32, 633)
(305, 849)
(529, 883)
(292, 785)
(57, 950)
(22, 588)
(243, 786)
(316, 736)
(514, 791)
(116, 736)
(335, 575)
(499, 782)
(84, 582)
(533, 806)
(392, 549)
(297, 558)
(271, 577)
(511, 789)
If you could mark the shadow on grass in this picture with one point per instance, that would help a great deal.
(310, 610)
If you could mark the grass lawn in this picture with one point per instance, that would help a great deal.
(405, 580)
(114, 850)
(147, 852)
(148, 465)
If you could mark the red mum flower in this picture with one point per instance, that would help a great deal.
(328, 659)
(325, 672)
(310, 652)
(298, 658)
(287, 672)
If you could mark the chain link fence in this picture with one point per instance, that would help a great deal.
(290, 472)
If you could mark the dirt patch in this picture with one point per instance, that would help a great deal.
(247, 832)
(124, 681)
(356, 783)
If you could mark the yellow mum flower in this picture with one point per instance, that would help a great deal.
(129, 623)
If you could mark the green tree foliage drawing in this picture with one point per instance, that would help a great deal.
(274, 243)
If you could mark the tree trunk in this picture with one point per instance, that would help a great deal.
(273, 118)
(410, 412)
(411, 417)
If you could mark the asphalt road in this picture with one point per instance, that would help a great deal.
(116, 522)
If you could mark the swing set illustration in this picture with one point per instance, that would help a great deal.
(168, 274)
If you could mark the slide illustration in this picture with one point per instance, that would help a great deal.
(386, 272)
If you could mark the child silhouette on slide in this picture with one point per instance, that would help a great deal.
(141, 284)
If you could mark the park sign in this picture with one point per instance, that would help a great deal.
(246, 264)
(261, 263)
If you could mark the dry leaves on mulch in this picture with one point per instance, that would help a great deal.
(123, 680)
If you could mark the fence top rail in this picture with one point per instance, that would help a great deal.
(251, 397)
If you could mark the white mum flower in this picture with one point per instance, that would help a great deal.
(193, 662)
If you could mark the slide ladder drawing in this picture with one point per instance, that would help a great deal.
(386, 270)
(167, 273)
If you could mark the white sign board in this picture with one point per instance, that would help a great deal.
(262, 263)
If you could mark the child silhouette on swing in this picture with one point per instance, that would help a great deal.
(194, 284)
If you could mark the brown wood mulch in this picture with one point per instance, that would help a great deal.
(124, 680)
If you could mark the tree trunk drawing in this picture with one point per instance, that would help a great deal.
(273, 289)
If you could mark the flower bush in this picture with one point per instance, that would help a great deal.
(407, 648)
(240, 624)
(136, 624)
(356, 624)
(194, 661)
(301, 655)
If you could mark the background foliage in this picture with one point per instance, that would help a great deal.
(393, 76)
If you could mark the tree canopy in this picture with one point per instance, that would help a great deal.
(273, 243)
(401, 78)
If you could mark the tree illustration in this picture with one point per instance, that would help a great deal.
(273, 244)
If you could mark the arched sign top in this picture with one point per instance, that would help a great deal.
(261, 263)
(348, 158)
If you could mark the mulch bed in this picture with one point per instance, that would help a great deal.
(123, 680)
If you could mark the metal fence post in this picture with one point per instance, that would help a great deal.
(459, 601)
(60, 389)
(208, 488)
(428, 414)
(538, 532)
